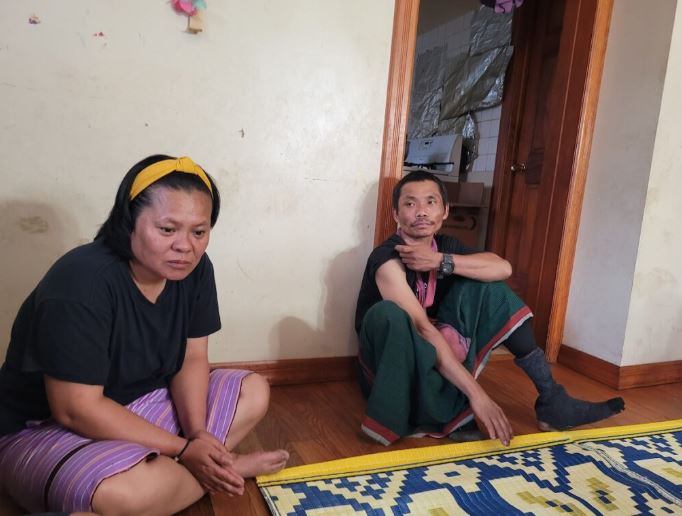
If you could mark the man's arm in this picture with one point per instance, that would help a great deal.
(390, 279)
(479, 266)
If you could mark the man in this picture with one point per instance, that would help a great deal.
(429, 312)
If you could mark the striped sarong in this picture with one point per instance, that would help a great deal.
(406, 395)
(46, 467)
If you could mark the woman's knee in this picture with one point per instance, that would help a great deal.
(150, 487)
(255, 393)
(111, 498)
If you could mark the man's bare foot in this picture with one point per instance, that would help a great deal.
(260, 463)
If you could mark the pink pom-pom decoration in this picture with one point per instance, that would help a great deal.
(184, 6)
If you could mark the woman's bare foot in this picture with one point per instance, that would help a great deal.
(260, 463)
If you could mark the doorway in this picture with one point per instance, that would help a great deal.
(553, 204)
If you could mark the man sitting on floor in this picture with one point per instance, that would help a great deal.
(429, 313)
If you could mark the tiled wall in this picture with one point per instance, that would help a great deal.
(488, 121)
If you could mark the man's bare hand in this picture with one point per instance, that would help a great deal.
(490, 414)
(419, 258)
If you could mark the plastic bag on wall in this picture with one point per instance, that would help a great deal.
(427, 90)
(430, 71)
(477, 82)
(489, 30)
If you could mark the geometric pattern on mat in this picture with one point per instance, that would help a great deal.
(620, 470)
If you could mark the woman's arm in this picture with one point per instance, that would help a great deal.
(207, 458)
(85, 410)
(189, 387)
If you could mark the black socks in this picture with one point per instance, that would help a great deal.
(467, 433)
(522, 340)
(560, 411)
(554, 408)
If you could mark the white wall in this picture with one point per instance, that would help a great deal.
(283, 102)
(654, 328)
(627, 166)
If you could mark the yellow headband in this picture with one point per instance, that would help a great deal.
(156, 171)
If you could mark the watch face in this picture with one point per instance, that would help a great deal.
(447, 265)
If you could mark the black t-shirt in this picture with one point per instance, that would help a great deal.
(87, 322)
(369, 292)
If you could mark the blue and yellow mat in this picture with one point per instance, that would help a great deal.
(621, 470)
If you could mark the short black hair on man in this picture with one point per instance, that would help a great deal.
(416, 176)
(120, 223)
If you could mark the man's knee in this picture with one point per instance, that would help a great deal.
(498, 286)
(386, 326)
(385, 312)
(466, 290)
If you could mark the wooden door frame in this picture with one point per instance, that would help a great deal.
(406, 15)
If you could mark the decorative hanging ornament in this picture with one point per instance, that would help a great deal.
(188, 7)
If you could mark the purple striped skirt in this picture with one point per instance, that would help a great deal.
(47, 467)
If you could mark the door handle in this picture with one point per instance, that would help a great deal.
(518, 167)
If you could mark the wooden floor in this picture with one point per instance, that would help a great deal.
(319, 422)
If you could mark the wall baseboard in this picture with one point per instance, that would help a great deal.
(313, 370)
(620, 377)
(335, 369)
(299, 370)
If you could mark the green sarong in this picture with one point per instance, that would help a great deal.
(407, 396)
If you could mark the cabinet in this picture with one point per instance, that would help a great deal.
(466, 220)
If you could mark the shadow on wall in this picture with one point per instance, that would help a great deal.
(32, 236)
(335, 334)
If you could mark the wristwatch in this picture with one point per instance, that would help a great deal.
(447, 266)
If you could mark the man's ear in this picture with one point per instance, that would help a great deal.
(395, 216)
(447, 212)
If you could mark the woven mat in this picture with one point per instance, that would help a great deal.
(620, 470)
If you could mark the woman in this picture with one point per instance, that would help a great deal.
(106, 399)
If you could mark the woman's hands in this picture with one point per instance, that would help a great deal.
(490, 414)
(211, 464)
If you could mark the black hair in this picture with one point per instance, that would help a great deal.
(120, 223)
(416, 176)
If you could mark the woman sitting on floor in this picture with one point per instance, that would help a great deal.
(106, 399)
